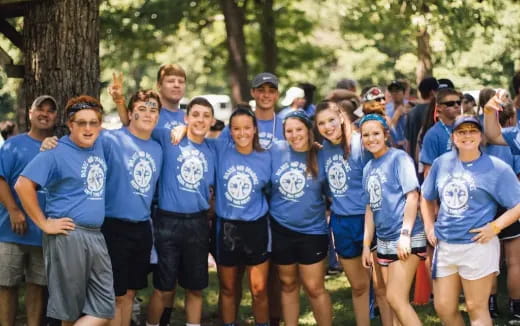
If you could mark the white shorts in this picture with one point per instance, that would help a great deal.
(471, 261)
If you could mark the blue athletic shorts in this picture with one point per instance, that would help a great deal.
(348, 234)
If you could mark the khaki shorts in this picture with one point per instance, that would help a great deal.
(21, 262)
(471, 261)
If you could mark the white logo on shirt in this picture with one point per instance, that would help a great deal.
(141, 167)
(266, 139)
(240, 183)
(193, 166)
(292, 179)
(337, 168)
(456, 193)
(375, 189)
(93, 171)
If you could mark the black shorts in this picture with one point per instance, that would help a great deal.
(241, 243)
(182, 243)
(512, 231)
(129, 246)
(291, 247)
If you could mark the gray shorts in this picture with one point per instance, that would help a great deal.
(19, 261)
(79, 274)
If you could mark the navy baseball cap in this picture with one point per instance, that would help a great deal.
(467, 119)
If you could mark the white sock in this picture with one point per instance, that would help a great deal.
(148, 324)
(188, 324)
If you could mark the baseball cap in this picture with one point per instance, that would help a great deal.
(40, 99)
(467, 119)
(445, 83)
(264, 78)
(292, 94)
(396, 85)
(428, 84)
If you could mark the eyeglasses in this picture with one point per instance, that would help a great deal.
(451, 103)
(83, 123)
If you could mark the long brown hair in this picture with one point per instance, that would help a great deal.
(326, 105)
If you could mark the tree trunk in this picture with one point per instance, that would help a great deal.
(234, 18)
(268, 32)
(61, 41)
(424, 62)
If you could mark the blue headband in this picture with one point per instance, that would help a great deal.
(373, 117)
(300, 115)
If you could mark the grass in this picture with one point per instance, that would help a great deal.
(337, 286)
(339, 290)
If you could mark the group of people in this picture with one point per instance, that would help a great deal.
(89, 217)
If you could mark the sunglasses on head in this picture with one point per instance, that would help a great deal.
(451, 103)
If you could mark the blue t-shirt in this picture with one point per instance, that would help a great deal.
(469, 193)
(345, 177)
(187, 174)
(386, 181)
(265, 132)
(297, 199)
(134, 166)
(436, 142)
(512, 137)
(75, 181)
(240, 182)
(399, 129)
(504, 153)
(170, 119)
(15, 154)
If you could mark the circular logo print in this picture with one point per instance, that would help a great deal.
(240, 186)
(455, 194)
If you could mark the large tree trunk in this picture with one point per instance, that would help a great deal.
(234, 19)
(61, 41)
(268, 32)
(424, 62)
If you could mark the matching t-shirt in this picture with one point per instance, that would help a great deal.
(436, 142)
(297, 199)
(386, 181)
(134, 166)
(345, 177)
(170, 119)
(15, 154)
(75, 179)
(188, 172)
(504, 153)
(469, 193)
(241, 181)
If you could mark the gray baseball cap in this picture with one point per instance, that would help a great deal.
(40, 99)
(264, 78)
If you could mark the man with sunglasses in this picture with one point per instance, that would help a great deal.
(437, 139)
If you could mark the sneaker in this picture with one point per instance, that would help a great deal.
(493, 306)
(515, 320)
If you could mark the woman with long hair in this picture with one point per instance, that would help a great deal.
(241, 207)
(391, 194)
(298, 223)
(342, 160)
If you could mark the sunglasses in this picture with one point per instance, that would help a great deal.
(84, 124)
(451, 103)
